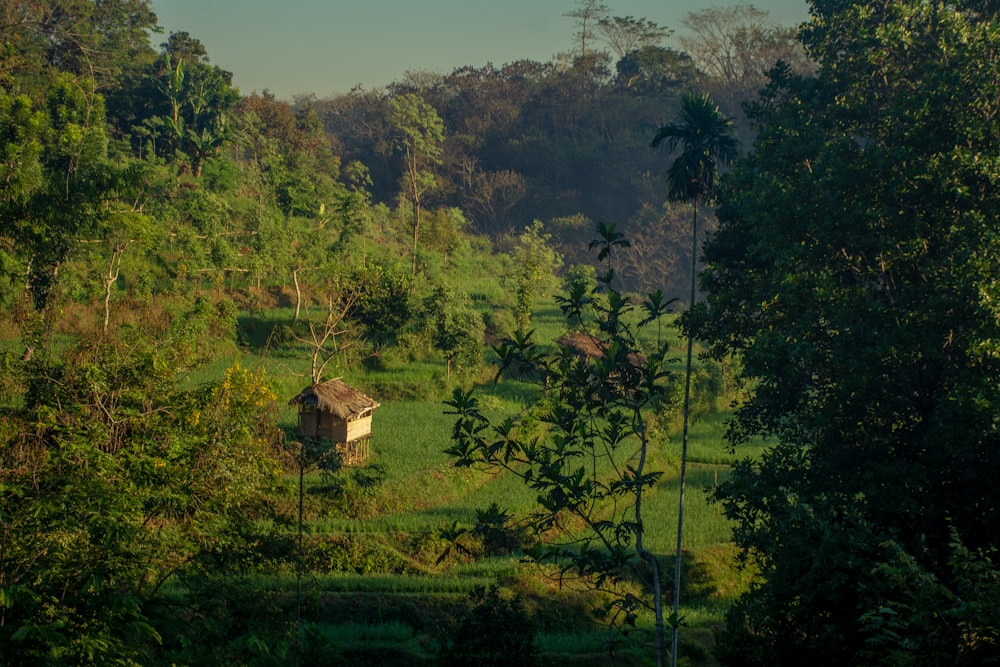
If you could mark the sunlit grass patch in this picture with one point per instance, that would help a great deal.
(707, 441)
(346, 582)
(704, 523)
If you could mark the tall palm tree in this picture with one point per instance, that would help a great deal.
(706, 139)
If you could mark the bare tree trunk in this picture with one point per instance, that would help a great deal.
(416, 232)
(298, 293)
(114, 268)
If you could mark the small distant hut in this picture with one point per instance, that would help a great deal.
(587, 347)
(338, 412)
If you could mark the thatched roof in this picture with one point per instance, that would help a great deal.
(337, 397)
(583, 344)
(592, 347)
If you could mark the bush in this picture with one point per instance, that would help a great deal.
(495, 632)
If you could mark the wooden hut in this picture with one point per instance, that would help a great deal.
(336, 411)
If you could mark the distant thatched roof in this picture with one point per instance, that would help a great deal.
(337, 397)
(592, 347)
(583, 344)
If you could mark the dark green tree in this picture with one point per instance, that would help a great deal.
(653, 69)
(706, 139)
(384, 304)
(184, 109)
(494, 632)
(107, 41)
(116, 479)
(855, 271)
(62, 181)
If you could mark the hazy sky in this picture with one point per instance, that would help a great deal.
(329, 46)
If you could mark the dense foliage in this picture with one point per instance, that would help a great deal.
(115, 478)
(855, 272)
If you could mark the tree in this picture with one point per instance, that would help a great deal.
(353, 207)
(586, 15)
(584, 449)
(658, 254)
(384, 305)
(419, 135)
(854, 272)
(457, 329)
(103, 41)
(61, 177)
(125, 228)
(625, 34)
(533, 264)
(609, 240)
(494, 194)
(332, 334)
(116, 479)
(706, 140)
(187, 109)
(476, 641)
(735, 47)
(654, 69)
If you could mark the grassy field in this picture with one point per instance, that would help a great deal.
(383, 547)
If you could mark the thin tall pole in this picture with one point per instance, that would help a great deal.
(299, 561)
(684, 443)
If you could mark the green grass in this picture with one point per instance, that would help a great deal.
(410, 437)
(704, 524)
(707, 442)
(345, 582)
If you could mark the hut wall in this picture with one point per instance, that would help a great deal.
(308, 422)
(359, 428)
(332, 427)
(339, 430)
(316, 424)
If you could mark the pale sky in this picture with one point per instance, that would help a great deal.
(329, 46)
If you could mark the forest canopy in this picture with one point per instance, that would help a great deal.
(854, 273)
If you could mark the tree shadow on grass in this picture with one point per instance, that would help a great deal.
(259, 331)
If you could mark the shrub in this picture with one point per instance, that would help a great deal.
(494, 632)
